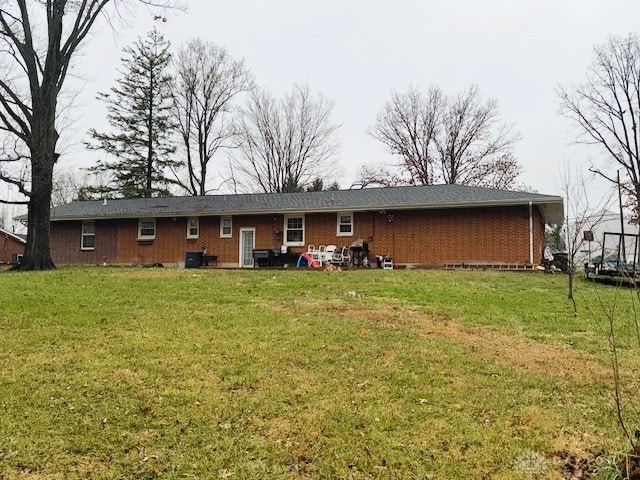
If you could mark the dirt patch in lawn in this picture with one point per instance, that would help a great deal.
(541, 359)
(511, 350)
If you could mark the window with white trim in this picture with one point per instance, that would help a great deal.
(193, 227)
(226, 227)
(345, 224)
(294, 230)
(146, 229)
(88, 240)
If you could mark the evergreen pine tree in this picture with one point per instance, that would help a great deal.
(139, 112)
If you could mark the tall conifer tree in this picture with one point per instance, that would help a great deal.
(139, 109)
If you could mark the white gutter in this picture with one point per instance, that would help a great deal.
(530, 232)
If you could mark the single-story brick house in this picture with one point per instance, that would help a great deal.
(11, 245)
(416, 225)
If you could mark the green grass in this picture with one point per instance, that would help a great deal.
(140, 373)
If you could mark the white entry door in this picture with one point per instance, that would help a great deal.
(247, 244)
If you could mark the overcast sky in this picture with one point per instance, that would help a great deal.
(355, 52)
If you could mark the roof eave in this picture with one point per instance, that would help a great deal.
(552, 207)
(14, 236)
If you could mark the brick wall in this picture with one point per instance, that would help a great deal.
(498, 234)
(8, 247)
(66, 242)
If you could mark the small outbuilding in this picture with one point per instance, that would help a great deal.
(11, 247)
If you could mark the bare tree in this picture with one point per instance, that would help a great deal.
(377, 176)
(408, 125)
(14, 169)
(501, 172)
(38, 41)
(70, 186)
(606, 109)
(7, 214)
(208, 80)
(65, 188)
(472, 145)
(284, 144)
(581, 215)
(455, 140)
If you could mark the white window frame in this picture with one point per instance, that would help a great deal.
(339, 224)
(190, 226)
(286, 230)
(84, 234)
(147, 236)
(222, 227)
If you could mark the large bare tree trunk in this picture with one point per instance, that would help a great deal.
(37, 255)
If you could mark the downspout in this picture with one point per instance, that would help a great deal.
(530, 232)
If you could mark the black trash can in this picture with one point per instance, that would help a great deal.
(193, 260)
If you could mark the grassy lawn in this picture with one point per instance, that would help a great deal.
(139, 373)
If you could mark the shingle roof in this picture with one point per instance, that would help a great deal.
(396, 198)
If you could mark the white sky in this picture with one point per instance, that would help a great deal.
(355, 52)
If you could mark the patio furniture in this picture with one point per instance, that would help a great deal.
(328, 252)
(341, 257)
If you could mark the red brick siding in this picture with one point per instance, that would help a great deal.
(497, 234)
(8, 247)
(170, 244)
(66, 240)
(268, 233)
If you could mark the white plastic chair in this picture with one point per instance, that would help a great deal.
(328, 252)
(317, 255)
